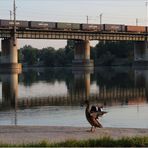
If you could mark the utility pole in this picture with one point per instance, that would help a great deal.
(10, 15)
(87, 19)
(146, 4)
(101, 18)
(14, 31)
(101, 21)
(136, 21)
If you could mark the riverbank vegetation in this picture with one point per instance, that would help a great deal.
(104, 53)
(101, 142)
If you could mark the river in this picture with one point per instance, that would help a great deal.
(55, 96)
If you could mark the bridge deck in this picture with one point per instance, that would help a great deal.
(75, 35)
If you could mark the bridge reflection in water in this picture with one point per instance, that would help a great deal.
(78, 87)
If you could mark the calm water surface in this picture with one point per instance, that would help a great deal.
(55, 96)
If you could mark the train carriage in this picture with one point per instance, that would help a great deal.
(91, 27)
(114, 28)
(42, 25)
(21, 24)
(68, 26)
(76, 26)
(10, 24)
(137, 29)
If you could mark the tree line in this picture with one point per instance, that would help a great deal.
(104, 53)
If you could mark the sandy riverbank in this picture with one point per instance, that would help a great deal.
(28, 134)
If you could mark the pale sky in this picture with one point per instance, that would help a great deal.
(114, 11)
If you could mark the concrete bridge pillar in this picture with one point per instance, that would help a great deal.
(82, 54)
(141, 53)
(86, 50)
(9, 56)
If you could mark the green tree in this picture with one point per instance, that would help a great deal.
(104, 53)
(69, 52)
(48, 56)
(60, 57)
(29, 54)
(107, 51)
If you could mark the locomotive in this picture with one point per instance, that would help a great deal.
(20, 24)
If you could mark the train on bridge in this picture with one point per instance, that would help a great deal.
(24, 25)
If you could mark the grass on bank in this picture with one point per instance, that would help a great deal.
(101, 142)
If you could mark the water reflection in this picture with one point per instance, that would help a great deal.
(9, 89)
(10, 93)
(58, 89)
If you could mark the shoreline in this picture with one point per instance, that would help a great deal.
(32, 134)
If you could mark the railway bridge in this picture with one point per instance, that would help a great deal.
(9, 57)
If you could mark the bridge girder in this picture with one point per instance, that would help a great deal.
(77, 35)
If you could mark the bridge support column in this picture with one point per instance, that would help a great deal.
(82, 54)
(9, 56)
(141, 53)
